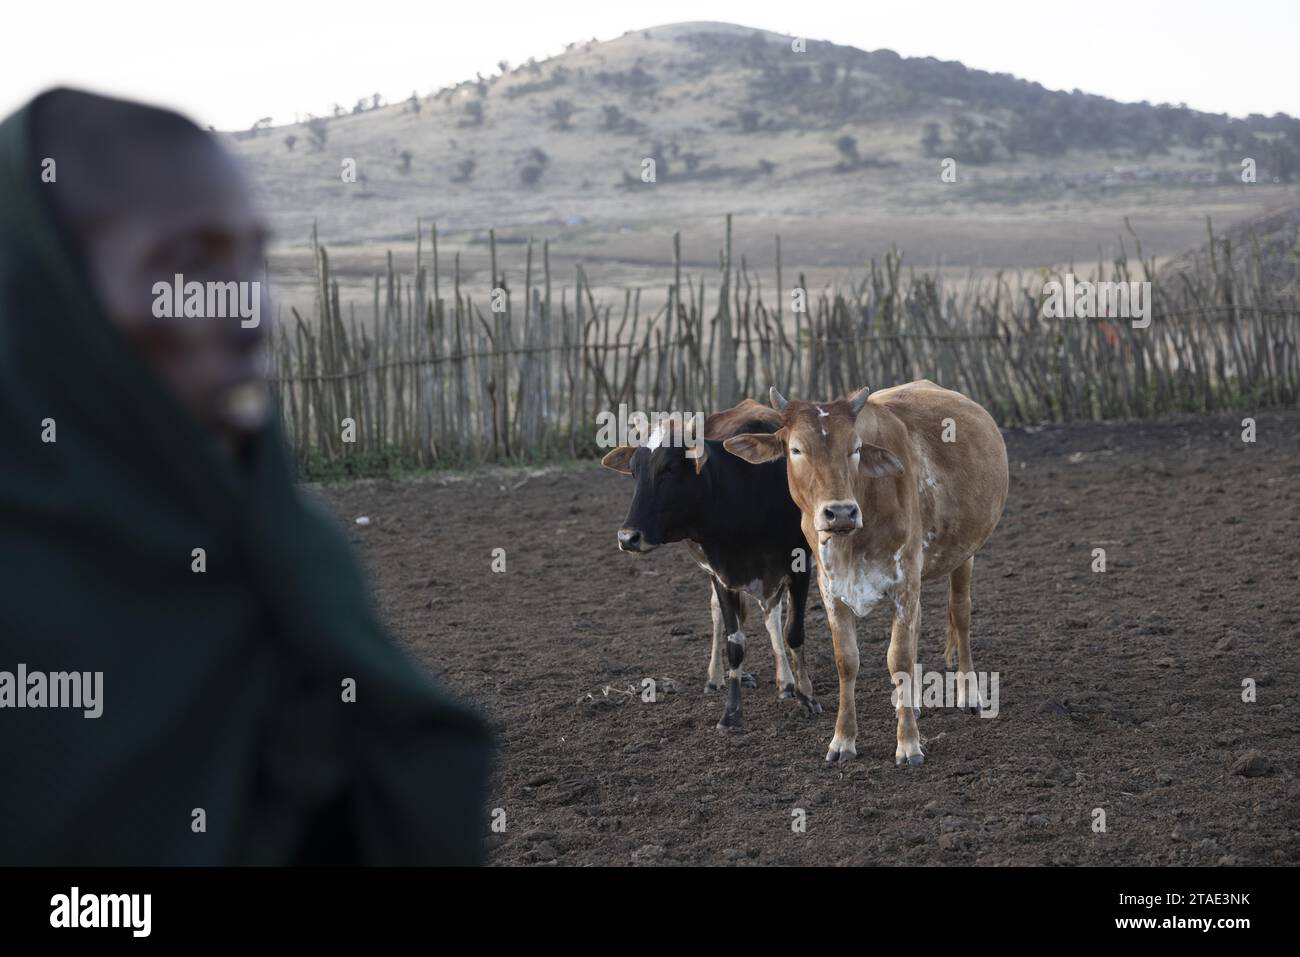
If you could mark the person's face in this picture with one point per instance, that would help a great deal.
(188, 213)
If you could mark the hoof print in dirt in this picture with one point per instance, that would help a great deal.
(649, 854)
(544, 852)
(565, 793)
(1252, 764)
(1054, 708)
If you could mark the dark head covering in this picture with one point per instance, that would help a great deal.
(222, 690)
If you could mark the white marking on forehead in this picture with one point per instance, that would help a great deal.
(822, 412)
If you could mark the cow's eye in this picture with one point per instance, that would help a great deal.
(857, 454)
(794, 451)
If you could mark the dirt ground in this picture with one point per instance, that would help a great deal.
(1119, 690)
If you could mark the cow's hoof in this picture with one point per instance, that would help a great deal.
(916, 713)
(811, 707)
(912, 760)
(712, 687)
(785, 693)
(747, 680)
(730, 722)
(969, 699)
(841, 751)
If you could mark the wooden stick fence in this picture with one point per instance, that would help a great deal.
(447, 377)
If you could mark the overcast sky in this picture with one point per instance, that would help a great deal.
(230, 63)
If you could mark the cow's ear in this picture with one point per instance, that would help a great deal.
(878, 462)
(619, 459)
(757, 447)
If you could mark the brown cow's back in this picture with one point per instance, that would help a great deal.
(962, 483)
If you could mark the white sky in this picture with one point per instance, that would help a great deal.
(229, 63)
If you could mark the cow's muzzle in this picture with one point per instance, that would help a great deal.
(838, 517)
(631, 540)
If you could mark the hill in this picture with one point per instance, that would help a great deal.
(836, 148)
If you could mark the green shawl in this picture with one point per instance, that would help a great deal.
(222, 690)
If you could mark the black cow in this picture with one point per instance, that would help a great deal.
(740, 525)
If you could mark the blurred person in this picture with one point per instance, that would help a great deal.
(128, 441)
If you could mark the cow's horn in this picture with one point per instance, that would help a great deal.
(778, 400)
(858, 399)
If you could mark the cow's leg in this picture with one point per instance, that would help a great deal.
(717, 666)
(902, 669)
(784, 676)
(742, 611)
(957, 646)
(794, 636)
(729, 605)
(844, 636)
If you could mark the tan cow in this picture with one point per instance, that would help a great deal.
(895, 487)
